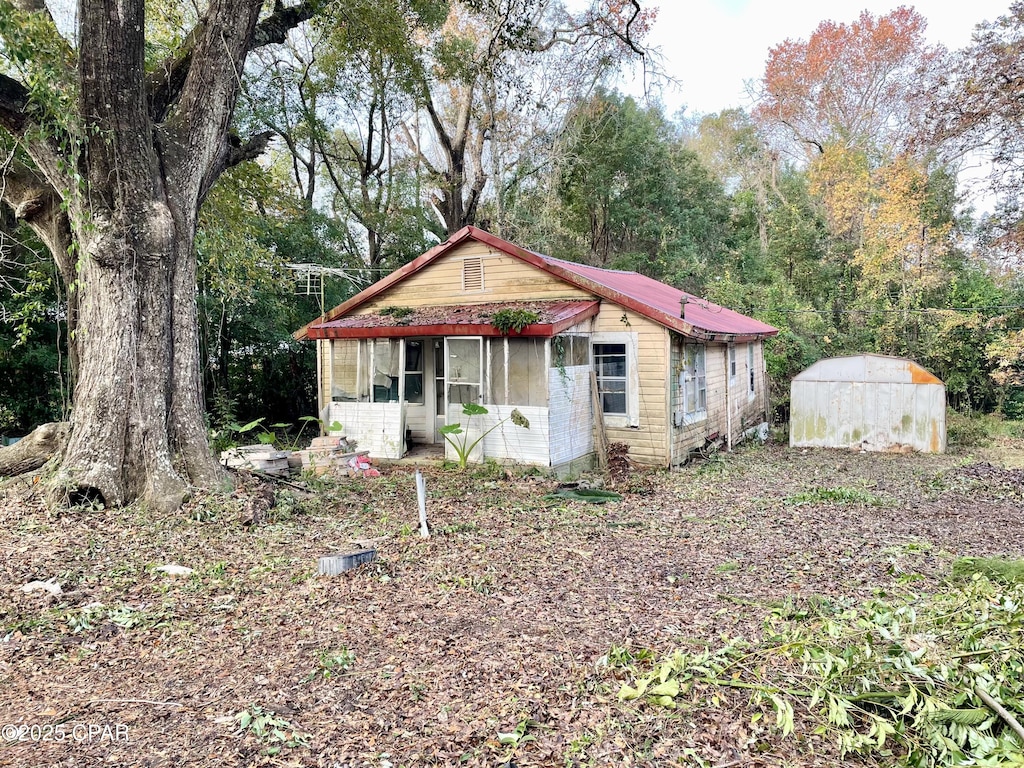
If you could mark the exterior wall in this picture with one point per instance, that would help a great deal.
(569, 415)
(505, 279)
(648, 435)
(723, 396)
(376, 427)
(871, 416)
(506, 443)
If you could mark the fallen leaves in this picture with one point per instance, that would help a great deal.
(498, 619)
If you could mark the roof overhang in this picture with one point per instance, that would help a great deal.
(554, 317)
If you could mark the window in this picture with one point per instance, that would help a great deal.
(732, 364)
(414, 372)
(516, 374)
(693, 379)
(569, 350)
(750, 371)
(610, 364)
(384, 367)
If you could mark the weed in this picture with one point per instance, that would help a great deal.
(621, 657)
(270, 728)
(332, 663)
(518, 736)
(482, 584)
(839, 495)
(968, 431)
(449, 530)
(995, 568)
(123, 615)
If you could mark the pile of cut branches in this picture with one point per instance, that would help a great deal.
(920, 680)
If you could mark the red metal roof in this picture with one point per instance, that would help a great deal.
(668, 301)
(647, 297)
(458, 320)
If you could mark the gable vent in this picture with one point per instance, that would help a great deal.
(473, 274)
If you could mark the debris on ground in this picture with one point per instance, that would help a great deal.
(501, 639)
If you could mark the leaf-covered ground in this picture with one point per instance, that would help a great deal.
(484, 645)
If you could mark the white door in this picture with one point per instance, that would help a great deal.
(464, 370)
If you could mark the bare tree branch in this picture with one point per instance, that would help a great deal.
(169, 78)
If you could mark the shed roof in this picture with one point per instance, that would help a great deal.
(668, 306)
(868, 368)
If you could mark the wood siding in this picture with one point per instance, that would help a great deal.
(505, 279)
(648, 441)
(746, 411)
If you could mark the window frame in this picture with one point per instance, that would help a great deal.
(602, 377)
(631, 419)
(695, 369)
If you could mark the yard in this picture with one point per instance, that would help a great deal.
(503, 639)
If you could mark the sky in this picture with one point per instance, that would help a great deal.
(713, 47)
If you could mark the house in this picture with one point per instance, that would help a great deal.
(868, 402)
(583, 353)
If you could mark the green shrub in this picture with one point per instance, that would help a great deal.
(967, 431)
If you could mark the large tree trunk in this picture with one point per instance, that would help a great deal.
(137, 419)
(118, 184)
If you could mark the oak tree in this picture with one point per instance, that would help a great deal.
(121, 132)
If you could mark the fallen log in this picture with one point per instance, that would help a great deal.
(33, 450)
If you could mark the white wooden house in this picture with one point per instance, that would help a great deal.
(671, 371)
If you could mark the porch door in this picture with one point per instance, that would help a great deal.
(464, 370)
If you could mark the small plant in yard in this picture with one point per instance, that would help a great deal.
(458, 438)
(834, 496)
(621, 657)
(270, 728)
(124, 616)
(332, 663)
(518, 736)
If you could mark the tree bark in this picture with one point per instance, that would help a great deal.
(33, 450)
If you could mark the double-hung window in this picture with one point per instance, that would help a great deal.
(694, 383)
(610, 362)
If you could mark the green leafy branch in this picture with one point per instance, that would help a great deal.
(513, 320)
(928, 680)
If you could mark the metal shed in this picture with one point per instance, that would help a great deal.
(870, 402)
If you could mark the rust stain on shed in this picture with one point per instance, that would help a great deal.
(919, 375)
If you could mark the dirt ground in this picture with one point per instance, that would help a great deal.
(480, 646)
